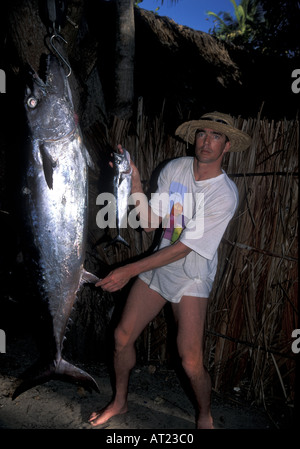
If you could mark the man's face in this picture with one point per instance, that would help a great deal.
(210, 145)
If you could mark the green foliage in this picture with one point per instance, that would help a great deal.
(242, 28)
(264, 25)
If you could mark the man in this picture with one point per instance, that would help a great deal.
(180, 272)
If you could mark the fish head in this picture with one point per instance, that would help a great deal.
(122, 162)
(48, 102)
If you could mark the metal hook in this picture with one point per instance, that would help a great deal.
(59, 54)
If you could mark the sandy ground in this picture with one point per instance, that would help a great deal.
(156, 400)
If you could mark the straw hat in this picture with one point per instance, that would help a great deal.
(219, 122)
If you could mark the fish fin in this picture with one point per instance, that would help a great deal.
(88, 158)
(48, 166)
(117, 239)
(67, 372)
(87, 277)
(39, 374)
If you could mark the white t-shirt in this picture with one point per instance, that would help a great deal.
(197, 213)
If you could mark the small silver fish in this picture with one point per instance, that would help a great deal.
(122, 189)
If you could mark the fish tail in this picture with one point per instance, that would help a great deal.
(67, 371)
(39, 374)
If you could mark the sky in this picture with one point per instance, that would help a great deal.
(191, 13)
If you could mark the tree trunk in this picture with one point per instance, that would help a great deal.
(26, 32)
(125, 52)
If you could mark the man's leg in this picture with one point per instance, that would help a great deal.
(142, 305)
(190, 315)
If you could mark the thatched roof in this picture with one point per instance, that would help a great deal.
(180, 39)
(188, 67)
(201, 72)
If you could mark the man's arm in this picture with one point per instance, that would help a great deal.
(116, 279)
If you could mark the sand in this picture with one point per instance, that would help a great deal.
(157, 400)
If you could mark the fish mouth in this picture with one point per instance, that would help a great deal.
(50, 78)
(48, 101)
(39, 78)
(123, 161)
(43, 70)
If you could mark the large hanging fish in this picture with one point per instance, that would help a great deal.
(55, 193)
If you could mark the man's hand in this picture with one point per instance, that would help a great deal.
(115, 280)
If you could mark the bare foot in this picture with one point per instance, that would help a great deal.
(101, 417)
(205, 423)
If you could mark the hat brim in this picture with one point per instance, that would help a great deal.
(239, 140)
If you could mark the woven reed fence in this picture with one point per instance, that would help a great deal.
(253, 306)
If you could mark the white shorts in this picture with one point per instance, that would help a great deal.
(173, 285)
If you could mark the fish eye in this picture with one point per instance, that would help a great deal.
(32, 102)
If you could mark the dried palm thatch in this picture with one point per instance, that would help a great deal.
(253, 306)
(182, 40)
